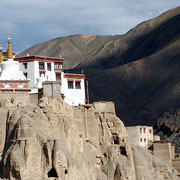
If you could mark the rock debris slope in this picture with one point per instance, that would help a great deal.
(44, 142)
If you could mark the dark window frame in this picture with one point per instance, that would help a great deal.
(144, 130)
(25, 74)
(41, 72)
(25, 65)
(58, 75)
(70, 84)
(57, 66)
(78, 84)
(140, 129)
(41, 65)
(49, 66)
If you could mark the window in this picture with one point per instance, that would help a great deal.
(25, 65)
(57, 66)
(41, 65)
(140, 139)
(140, 129)
(70, 84)
(42, 73)
(144, 139)
(26, 74)
(78, 84)
(49, 66)
(58, 76)
(144, 130)
(150, 131)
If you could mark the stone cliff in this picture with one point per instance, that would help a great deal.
(52, 140)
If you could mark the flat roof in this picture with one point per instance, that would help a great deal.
(163, 141)
(74, 76)
(39, 58)
(137, 126)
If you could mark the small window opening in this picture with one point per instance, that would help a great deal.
(150, 131)
(57, 66)
(42, 73)
(70, 85)
(144, 139)
(25, 65)
(144, 130)
(140, 139)
(140, 130)
(49, 66)
(58, 76)
(52, 173)
(66, 171)
(78, 84)
(123, 151)
(41, 66)
(26, 74)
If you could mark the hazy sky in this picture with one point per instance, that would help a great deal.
(30, 22)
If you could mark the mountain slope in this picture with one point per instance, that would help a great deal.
(73, 49)
(139, 71)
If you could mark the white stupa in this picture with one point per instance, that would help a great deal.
(11, 78)
(10, 68)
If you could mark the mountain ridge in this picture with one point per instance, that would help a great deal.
(137, 70)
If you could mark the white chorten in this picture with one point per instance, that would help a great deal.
(10, 68)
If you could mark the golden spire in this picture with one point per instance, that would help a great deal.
(1, 54)
(9, 49)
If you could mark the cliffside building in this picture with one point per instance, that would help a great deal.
(143, 136)
(140, 135)
(35, 70)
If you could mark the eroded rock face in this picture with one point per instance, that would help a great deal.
(53, 140)
(56, 141)
(149, 167)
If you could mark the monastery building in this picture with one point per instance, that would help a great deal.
(32, 71)
(140, 135)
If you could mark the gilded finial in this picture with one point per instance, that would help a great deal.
(9, 49)
(1, 54)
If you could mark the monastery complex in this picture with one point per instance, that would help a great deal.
(30, 72)
(34, 75)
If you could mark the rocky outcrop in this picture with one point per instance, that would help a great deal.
(149, 167)
(55, 141)
(168, 127)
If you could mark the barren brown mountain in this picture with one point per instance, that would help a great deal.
(139, 70)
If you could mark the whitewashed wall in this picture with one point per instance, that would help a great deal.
(135, 135)
(73, 97)
(33, 72)
(150, 135)
(143, 135)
